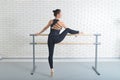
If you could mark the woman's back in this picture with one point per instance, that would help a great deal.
(55, 27)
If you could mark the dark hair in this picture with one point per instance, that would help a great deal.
(57, 11)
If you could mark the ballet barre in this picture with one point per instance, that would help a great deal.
(96, 43)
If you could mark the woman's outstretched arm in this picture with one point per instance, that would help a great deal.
(45, 28)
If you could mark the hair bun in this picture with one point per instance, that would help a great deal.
(57, 11)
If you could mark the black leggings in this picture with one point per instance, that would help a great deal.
(56, 39)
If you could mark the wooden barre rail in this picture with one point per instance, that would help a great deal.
(66, 43)
(69, 35)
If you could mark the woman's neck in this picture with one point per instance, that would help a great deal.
(56, 18)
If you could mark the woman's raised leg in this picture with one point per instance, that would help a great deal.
(64, 33)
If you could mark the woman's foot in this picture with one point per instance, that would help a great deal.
(78, 34)
(52, 72)
(71, 31)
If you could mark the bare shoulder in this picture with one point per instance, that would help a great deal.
(61, 22)
(50, 21)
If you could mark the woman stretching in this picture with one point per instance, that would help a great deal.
(54, 35)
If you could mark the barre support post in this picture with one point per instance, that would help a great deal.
(96, 53)
(33, 70)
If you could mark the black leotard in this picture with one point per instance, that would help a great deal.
(54, 37)
(54, 31)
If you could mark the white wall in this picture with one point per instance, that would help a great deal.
(19, 18)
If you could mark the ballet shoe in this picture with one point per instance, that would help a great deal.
(52, 73)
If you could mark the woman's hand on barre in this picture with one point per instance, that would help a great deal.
(36, 34)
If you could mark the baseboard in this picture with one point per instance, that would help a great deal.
(58, 59)
(0, 57)
(55, 57)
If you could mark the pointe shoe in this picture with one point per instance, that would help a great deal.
(52, 73)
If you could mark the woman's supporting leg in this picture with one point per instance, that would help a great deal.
(51, 51)
(64, 33)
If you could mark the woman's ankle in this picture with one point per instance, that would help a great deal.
(52, 70)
